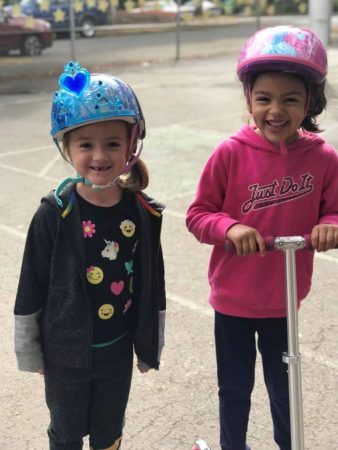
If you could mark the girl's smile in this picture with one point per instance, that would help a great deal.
(100, 169)
(278, 103)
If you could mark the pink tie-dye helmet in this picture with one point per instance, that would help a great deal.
(283, 48)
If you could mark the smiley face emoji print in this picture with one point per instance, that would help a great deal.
(94, 275)
(106, 311)
(128, 228)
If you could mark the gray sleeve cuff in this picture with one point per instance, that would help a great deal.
(27, 342)
(161, 319)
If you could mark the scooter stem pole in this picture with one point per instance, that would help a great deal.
(292, 357)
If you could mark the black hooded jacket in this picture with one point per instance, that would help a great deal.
(53, 321)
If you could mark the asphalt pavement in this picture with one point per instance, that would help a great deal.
(189, 105)
(127, 45)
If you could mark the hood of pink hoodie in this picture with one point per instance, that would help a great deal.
(306, 141)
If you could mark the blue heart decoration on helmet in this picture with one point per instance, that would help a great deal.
(75, 79)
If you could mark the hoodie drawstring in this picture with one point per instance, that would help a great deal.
(283, 148)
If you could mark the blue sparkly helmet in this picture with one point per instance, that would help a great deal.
(86, 98)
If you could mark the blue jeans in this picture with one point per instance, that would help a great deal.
(236, 359)
(90, 402)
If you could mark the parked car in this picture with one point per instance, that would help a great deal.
(170, 7)
(56, 12)
(205, 6)
(28, 35)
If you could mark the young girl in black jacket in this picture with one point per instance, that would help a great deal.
(92, 280)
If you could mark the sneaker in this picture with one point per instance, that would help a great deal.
(200, 445)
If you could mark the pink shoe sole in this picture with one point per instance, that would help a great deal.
(200, 445)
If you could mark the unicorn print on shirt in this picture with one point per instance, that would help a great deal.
(111, 250)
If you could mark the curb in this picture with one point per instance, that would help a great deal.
(121, 29)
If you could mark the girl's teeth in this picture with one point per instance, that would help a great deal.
(276, 124)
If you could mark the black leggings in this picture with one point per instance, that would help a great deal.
(90, 402)
(236, 358)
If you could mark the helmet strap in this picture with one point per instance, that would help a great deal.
(63, 184)
(135, 155)
(132, 160)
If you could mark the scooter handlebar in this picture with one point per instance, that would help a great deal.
(270, 244)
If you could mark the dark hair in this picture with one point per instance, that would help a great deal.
(315, 91)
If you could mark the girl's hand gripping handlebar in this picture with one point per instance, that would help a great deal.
(272, 243)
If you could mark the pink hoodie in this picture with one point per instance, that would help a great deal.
(247, 180)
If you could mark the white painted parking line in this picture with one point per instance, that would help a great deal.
(174, 214)
(12, 231)
(26, 150)
(186, 303)
(48, 166)
(27, 172)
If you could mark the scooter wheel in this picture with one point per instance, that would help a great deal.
(200, 445)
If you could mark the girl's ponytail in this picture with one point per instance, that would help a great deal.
(137, 179)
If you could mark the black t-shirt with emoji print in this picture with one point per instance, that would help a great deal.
(110, 235)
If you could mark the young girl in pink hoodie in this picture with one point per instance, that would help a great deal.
(275, 178)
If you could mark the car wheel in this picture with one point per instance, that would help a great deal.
(31, 46)
(88, 27)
